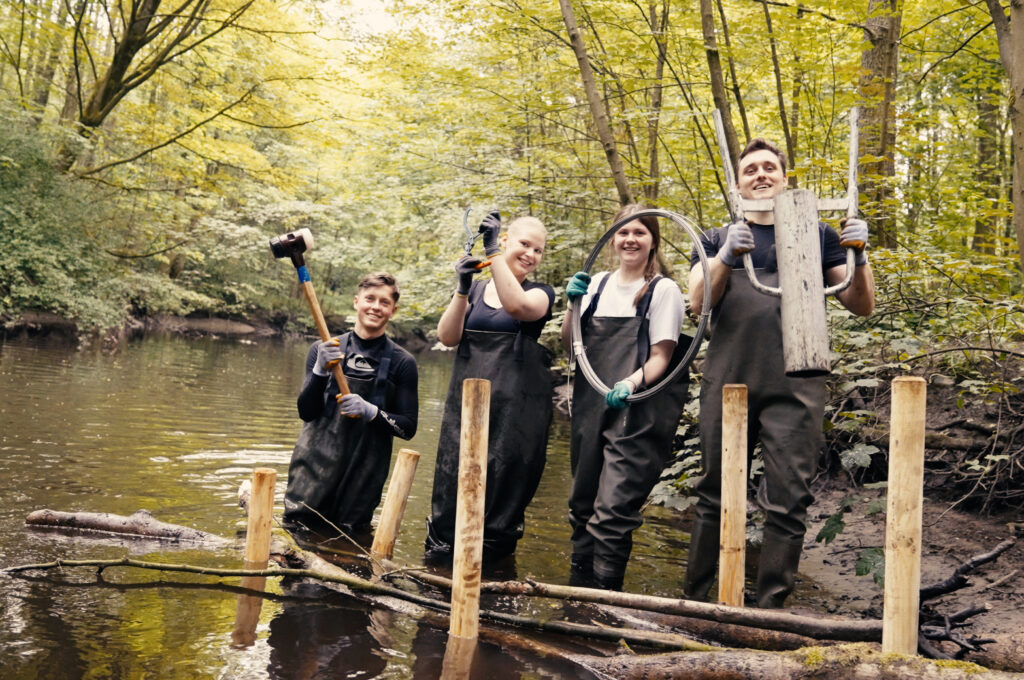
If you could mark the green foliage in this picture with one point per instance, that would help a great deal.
(872, 562)
(48, 261)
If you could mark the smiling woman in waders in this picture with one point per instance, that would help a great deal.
(341, 459)
(630, 321)
(496, 325)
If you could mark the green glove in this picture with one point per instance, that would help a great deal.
(616, 398)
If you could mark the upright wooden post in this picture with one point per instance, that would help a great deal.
(257, 553)
(394, 503)
(458, 658)
(469, 508)
(733, 537)
(903, 516)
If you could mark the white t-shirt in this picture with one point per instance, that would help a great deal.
(666, 312)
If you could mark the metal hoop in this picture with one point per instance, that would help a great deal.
(579, 351)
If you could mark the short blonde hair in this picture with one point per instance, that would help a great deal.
(528, 221)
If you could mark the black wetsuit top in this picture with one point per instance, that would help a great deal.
(483, 317)
(400, 418)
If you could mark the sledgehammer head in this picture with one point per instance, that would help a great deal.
(292, 245)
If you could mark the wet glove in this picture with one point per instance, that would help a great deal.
(616, 397)
(490, 227)
(855, 235)
(577, 286)
(328, 354)
(356, 407)
(738, 240)
(465, 268)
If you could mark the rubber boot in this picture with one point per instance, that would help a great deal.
(702, 561)
(581, 571)
(776, 571)
(609, 575)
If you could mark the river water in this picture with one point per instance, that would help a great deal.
(174, 426)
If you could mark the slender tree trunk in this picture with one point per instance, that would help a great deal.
(598, 107)
(783, 117)
(1010, 33)
(43, 84)
(718, 93)
(732, 73)
(987, 169)
(879, 65)
(659, 29)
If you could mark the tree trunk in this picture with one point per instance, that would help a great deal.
(732, 73)
(783, 118)
(879, 65)
(659, 29)
(718, 93)
(598, 108)
(987, 169)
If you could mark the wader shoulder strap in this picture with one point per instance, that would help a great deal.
(643, 337)
(588, 313)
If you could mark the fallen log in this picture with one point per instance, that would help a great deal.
(140, 523)
(815, 627)
(847, 661)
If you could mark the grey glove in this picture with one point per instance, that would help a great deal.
(490, 227)
(465, 269)
(855, 235)
(738, 240)
(355, 406)
(328, 354)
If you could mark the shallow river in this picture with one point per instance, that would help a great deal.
(174, 425)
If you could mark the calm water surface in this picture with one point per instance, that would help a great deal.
(174, 425)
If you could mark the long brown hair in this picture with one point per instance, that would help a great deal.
(655, 263)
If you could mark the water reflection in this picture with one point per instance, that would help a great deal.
(174, 426)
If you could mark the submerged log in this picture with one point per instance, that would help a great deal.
(140, 523)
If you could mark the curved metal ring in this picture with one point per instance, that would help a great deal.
(579, 351)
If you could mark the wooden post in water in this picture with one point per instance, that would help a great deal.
(394, 503)
(257, 553)
(903, 516)
(458, 658)
(733, 536)
(469, 508)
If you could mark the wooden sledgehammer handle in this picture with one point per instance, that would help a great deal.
(325, 334)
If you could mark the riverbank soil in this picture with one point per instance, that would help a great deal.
(828, 579)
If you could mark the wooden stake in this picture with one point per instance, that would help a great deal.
(458, 658)
(469, 508)
(261, 513)
(733, 536)
(903, 516)
(257, 554)
(394, 503)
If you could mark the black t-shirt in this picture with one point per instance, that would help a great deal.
(763, 255)
(400, 415)
(483, 317)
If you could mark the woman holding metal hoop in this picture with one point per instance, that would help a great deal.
(631, 321)
(495, 325)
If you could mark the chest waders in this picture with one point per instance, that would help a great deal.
(617, 455)
(784, 414)
(340, 464)
(520, 413)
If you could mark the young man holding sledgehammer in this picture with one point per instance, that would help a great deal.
(785, 413)
(341, 460)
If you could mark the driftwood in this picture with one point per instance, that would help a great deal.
(959, 578)
(814, 627)
(140, 523)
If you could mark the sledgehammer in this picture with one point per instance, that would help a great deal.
(293, 245)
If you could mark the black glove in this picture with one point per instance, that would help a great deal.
(465, 269)
(490, 227)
